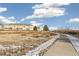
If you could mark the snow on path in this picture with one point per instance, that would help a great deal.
(74, 41)
(36, 51)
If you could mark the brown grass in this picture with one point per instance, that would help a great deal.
(24, 39)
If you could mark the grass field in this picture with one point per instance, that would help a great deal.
(18, 43)
(70, 32)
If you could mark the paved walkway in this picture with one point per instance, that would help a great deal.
(62, 47)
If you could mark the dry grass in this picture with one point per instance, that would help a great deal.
(20, 42)
(70, 32)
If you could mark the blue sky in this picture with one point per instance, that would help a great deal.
(68, 17)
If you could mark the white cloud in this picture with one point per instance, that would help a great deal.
(47, 5)
(53, 28)
(50, 12)
(6, 20)
(12, 17)
(74, 20)
(22, 19)
(47, 10)
(3, 9)
(34, 23)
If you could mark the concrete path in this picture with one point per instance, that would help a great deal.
(62, 47)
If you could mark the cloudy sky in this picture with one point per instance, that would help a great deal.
(63, 15)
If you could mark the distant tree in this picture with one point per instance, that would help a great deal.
(45, 28)
(35, 28)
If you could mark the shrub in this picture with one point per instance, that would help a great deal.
(35, 28)
(45, 28)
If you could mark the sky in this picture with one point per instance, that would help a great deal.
(55, 15)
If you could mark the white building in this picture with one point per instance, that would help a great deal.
(17, 27)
